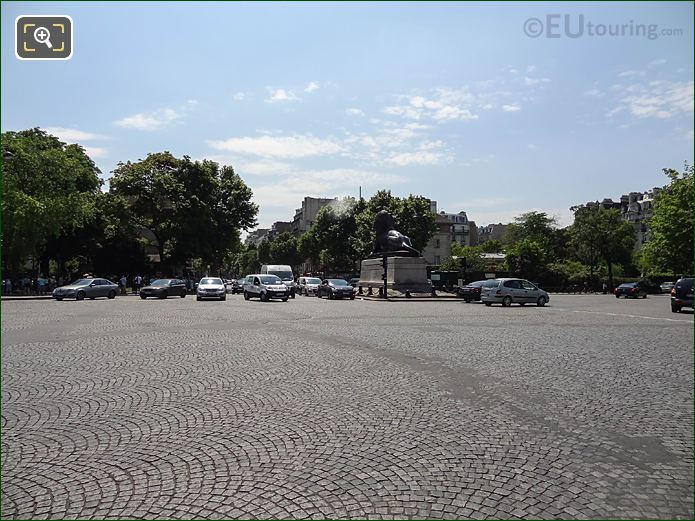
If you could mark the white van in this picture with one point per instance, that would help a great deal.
(285, 274)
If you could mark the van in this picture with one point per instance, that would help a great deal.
(284, 272)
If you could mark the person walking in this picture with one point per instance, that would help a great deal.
(137, 282)
(122, 283)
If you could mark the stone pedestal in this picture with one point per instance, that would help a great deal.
(403, 273)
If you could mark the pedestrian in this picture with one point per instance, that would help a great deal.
(137, 282)
(605, 288)
(122, 283)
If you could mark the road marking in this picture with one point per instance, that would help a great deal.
(624, 315)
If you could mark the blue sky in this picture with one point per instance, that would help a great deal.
(451, 101)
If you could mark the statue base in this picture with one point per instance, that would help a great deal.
(403, 274)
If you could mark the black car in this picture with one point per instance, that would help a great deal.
(237, 286)
(163, 288)
(631, 289)
(335, 288)
(682, 295)
(472, 290)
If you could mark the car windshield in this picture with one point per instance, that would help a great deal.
(211, 281)
(82, 282)
(493, 283)
(270, 279)
(477, 284)
(160, 282)
(338, 282)
(283, 275)
(628, 285)
(313, 281)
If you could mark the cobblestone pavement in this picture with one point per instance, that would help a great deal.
(346, 409)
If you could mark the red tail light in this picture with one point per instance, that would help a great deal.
(616, 290)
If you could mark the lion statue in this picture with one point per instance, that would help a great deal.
(388, 239)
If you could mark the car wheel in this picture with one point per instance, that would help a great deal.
(617, 296)
(522, 304)
(352, 297)
(183, 294)
(675, 309)
(541, 302)
(331, 296)
(507, 301)
(264, 297)
(246, 296)
(285, 299)
(143, 297)
(488, 304)
(223, 297)
(468, 301)
(198, 298)
(59, 298)
(80, 295)
(91, 298)
(112, 294)
(292, 295)
(644, 295)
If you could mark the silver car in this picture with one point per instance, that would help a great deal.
(518, 291)
(211, 287)
(265, 287)
(308, 285)
(91, 288)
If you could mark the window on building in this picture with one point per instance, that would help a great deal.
(437, 244)
(437, 259)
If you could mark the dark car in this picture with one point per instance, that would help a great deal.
(335, 288)
(90, 288)
(354, 281)
(237, 286)
(472, 290)
(631, 289)
(682, 295)
(163, 288)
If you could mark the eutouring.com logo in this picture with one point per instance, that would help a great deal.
(576, 26)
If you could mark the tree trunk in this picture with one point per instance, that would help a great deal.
(610, 275)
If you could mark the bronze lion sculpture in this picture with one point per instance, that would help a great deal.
(388, 239)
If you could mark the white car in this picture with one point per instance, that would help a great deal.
(308, 285)
(666, 287)
(509, 291)
(211, 287)
(265, 287)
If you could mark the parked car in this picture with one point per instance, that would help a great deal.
(211, 287)
(238, 286)
(91, 288)
(336, 288)
(666, 287)
(163, 288)
(308, 285)
(508, 291)
(682, 295)
(265, 287)
(473, 290)
(284, 272)
(631, 290)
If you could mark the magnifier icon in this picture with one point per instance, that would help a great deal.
(42, 35)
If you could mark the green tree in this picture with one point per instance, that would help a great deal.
(263, 252)
(472, 254)
(598, 235)
(283, 250)
(529, 258)
(670, 245)
(195, 209)
(49, 189)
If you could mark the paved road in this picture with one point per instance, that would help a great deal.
(317, 408)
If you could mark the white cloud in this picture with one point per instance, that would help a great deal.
(625, 74)
(263, 168)
(311, 87)
(294, 146)
(239, 96)
(354, 112)
(593, 93)
(96, 151)
(659, 99)
(531, 68)
(279, 95)
(157, 119)
(420, 157)
(511, 108)
(534, 81)
(655, 63)
(318, 183)
(73, 135)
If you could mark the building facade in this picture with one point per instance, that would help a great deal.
(305, 216)
(492, 232)
(635, 208)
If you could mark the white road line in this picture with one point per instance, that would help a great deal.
(623, 315)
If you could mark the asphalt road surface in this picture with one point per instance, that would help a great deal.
(346, 409)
